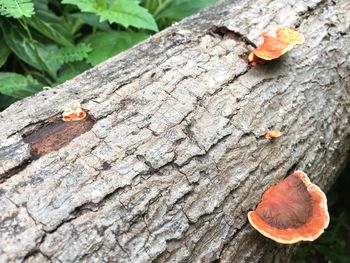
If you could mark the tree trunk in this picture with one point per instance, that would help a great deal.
(173, 155)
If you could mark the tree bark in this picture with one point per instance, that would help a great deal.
(176, 155)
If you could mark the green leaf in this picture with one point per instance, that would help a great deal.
(18, 86)
(6, 101)
(129, 13)
(16, 8)
(90, 6)
(72, 54)
(152, 5)
(92, 20)
(124, 12)
(4, 52)
(50, 25)
(70, 70)
(108, 44)
(178, 9)
(36, 51)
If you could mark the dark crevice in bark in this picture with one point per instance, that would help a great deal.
(311, 11)
(206, 151)
(89, 207)
(15, 170)
(30, 126)
(232, 80)
(35, 251)
(29, 254)
(121, 247)
(231, 238)
(55, 135)
(49, 135)
(291, 169)
(226, 33)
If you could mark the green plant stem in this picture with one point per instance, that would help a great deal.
(32, 72)
(76, 26)
(48, 82)
(32, 43)
(161, 7)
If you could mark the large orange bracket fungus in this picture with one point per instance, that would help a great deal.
(274, 47)
(76, 113)
(291, 211)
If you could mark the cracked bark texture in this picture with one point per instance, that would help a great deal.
(177, 156)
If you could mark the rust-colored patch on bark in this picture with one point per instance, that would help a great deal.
(55, 135)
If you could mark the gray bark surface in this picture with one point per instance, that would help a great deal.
(177, 155)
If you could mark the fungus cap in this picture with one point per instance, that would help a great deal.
(290, 36)
(76, 113)
(274, 47)
(271, 48)
(291, 211)
(255, 60)
(273, 134)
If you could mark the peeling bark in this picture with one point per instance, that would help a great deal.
(177, 155)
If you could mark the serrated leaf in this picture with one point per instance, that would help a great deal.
(108, 44)
(16, 8)
(18, 86)
(124, 12)
(4, 52)
(72, 54)
(178, 9)
(50, 25)
(39, 54)
(129, 13)
(90, 6)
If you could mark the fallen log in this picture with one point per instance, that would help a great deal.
(173, 154)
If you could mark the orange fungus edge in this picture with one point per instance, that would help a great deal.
(309, 231)
(273, 134)
(290, 36)
(254, 60)
(275, 47)
(76, 113)
(271, 48)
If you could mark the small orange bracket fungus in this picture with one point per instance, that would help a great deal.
(273, 134)
(274, 47)
(76, 113)
(291, 211)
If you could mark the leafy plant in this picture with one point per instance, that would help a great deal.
(16, 8)
(180, 8)
(108, 44)
(330, 247)
(124, 12)
(16, 85)
(46, 42)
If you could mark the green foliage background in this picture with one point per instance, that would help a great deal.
(46, 42)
